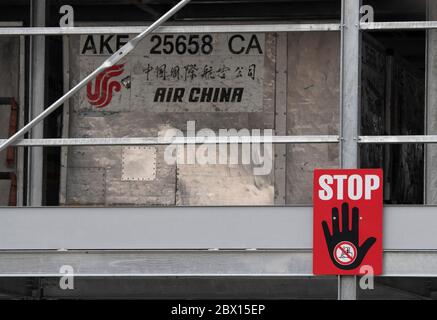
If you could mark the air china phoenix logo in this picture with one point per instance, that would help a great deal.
(104, 86)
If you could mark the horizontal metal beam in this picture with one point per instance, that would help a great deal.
(175, 141)
(401, 25)
(173, 29)
(183, 228)
(242, 28)
(295, 27)
(157, 263)
(253, 241)
(397, 139)
(194, 264)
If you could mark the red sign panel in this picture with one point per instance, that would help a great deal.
(348, 206)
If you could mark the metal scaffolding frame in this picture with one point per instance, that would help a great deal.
(240, 28)
(175, 141)
(286, 260)
(37, 76)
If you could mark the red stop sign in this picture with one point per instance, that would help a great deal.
(348, 206)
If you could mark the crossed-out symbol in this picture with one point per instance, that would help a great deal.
(345, 253)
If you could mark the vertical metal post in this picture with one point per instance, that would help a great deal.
(20, 152)
(65, 123)
(431, 107)
(350, 102)
(281, 117)
(37, 94)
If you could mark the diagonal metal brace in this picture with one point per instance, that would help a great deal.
(112, 60)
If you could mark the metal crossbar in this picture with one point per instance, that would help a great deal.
(309, 139)
(399, 25)
(236, 28)
(175, 141)
(397, 139)
(266, 27)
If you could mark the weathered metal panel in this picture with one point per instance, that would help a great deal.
(138, 164)
(312, 107)
(234, 184)
(86, 186)
(133, 113)
(223, 185)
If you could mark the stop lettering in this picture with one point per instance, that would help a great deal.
(355, 186)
